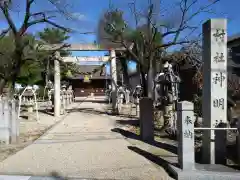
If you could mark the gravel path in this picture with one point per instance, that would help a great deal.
(83, 146)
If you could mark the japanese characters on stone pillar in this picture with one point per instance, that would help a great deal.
(113, 70)
(57, 84)
(185, 136)
(214, 81)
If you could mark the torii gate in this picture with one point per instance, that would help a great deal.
(82, 47)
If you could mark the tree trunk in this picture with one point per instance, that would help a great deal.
(125, 71)
(17, 56)
(47, 72)
(2, 85)
(143, 81)
(150, 77)
(150, 84)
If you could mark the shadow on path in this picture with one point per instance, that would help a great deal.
(90, 111)
(128, 134)
(131, 122)
(47, 111)
(153, 158)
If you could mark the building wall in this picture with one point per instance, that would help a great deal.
(96, 86)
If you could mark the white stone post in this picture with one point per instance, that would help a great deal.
(14, 123)
(63, 103)
(214, 82)
(186, 150)
(57, 84)
(66, 98)
(113, 70)
(5, 132)
(127, 98)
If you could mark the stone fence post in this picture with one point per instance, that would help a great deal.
(146, 119)
(9, 122)
(71, 96)
(185, 124)
(63, 103)
(6, 121)
(14, 122)
(127, 98)
(66, 98)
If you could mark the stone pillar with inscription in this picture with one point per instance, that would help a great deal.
(185, 135)
(57, 84)
(113, 70)
(214, 104)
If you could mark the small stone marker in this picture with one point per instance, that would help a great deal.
(146, 119)
(185, 136)
(214, 82)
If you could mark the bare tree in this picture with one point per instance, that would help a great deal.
(31, 18)
(178, 29)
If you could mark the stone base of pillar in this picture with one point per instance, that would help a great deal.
(205, 171)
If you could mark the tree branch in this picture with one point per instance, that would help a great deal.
(185, 8)
(46, 20)
(4, 8)
(4, 32)
(27, 16)
(173, 43)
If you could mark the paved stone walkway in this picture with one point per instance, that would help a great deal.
(82, 146)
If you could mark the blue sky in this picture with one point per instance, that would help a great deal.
(87, 13)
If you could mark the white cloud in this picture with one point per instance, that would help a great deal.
(79, 16)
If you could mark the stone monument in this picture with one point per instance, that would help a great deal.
(214, 82)
(214, 111)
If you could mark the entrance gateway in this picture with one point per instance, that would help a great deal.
(82, 47)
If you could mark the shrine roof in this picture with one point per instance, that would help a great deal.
(234, 37)
(234, 40)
